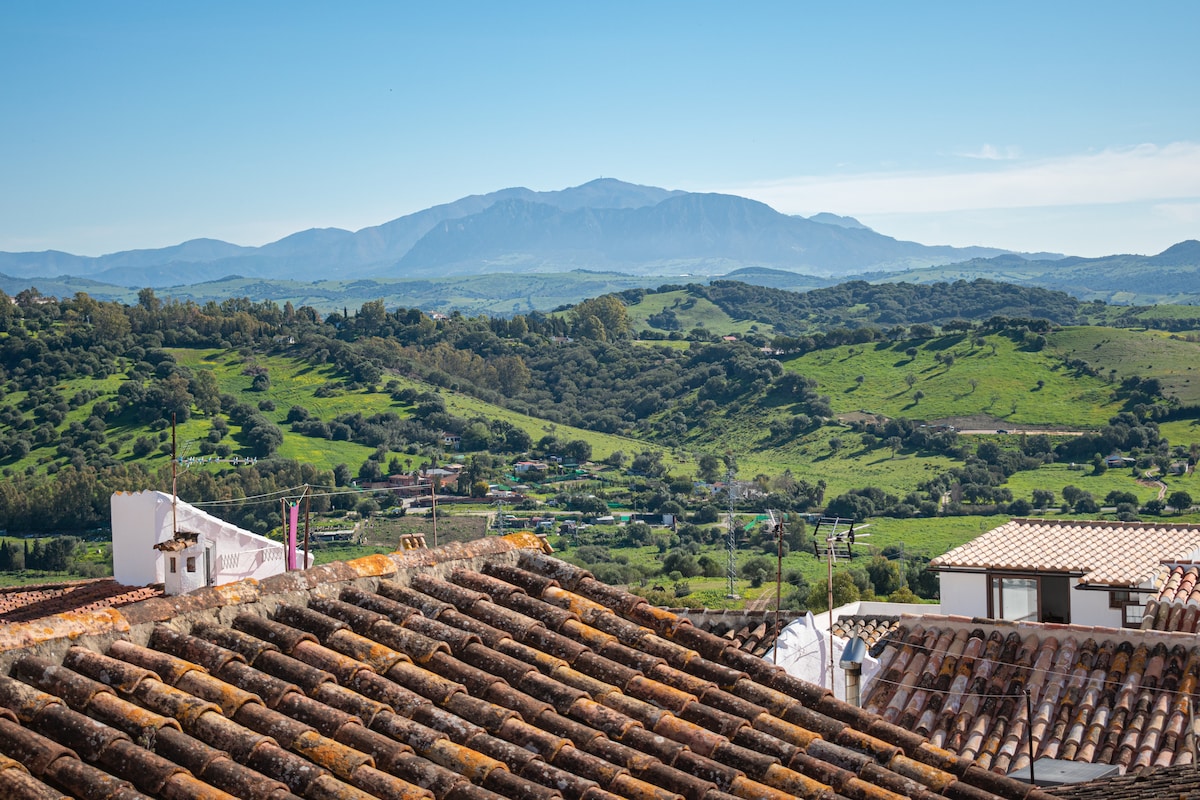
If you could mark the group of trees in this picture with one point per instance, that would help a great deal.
(50, 555)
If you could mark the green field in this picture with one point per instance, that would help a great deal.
(692, 312)
(1125, 352)
(998, 380)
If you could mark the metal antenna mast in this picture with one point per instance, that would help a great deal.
(731, 569)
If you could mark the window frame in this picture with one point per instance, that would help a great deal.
(993, 577)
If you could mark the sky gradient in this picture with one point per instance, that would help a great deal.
(1066, 127)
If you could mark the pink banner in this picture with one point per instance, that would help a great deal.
(293, 522)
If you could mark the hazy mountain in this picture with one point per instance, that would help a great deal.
(826, 218)
(1172, 276)
(703, 234)
(604, 224)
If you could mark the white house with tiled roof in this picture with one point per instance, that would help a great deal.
(1083, 572)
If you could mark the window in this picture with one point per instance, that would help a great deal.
(1033, 598)
(1014, 598)
(191, 563)
(174, 565)
(1129, 605)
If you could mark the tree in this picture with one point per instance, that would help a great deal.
(910, 379)
(577, 449)
(205, 391)
(844, 591)
(1043, 498)
(756, 571)
(918, 396)
(1179, 500)
(616, 459)
(603, 317)
(911, 353)
(683, 563)
(886, 576)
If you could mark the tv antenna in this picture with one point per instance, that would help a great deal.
(846, 538)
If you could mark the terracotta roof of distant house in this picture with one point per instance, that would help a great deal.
(21, 603)
(1100, 695)
(1100, 552)
(1176, 607)
(473, 671)
(869, 628)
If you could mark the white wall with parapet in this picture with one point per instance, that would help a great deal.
(141, 520)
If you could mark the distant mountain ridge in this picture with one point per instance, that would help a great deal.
(605, 224)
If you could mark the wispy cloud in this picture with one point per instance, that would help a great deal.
(989, 152)
(1146, 173)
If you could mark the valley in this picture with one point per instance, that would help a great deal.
(926, 428)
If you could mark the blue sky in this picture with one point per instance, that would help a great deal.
(1068, 126)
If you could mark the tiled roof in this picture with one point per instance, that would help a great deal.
(469, 672)
(870, 628)
(753, 632)
(1176, 607)
(1156, 783)
(1108, 553)
(20, 603)
(1099, 695)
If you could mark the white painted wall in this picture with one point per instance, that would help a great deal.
(1091, 608)
(141, 520)
(964, 593)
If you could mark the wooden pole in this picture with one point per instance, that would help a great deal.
(174, 481)
(778, 588)
(433, 506)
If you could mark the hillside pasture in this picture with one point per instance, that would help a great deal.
(1127, 352)
(999, 379)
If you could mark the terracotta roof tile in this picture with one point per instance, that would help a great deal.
(519, 676)
(1099, 695)
(1100, 552)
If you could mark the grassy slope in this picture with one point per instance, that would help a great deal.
(1005, 383)
(1006, 394)
(295, 383)
(1126, 352)
(692, 312)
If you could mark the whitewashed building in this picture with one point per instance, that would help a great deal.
(1078, 572)
(187, 549)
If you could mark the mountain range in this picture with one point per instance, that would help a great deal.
(605, 225)
(517, 250)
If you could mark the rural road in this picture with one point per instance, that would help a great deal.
(1031, 431)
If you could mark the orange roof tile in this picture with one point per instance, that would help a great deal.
(473, 672)
(1100, 552)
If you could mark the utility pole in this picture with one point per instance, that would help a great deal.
(731, 568)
